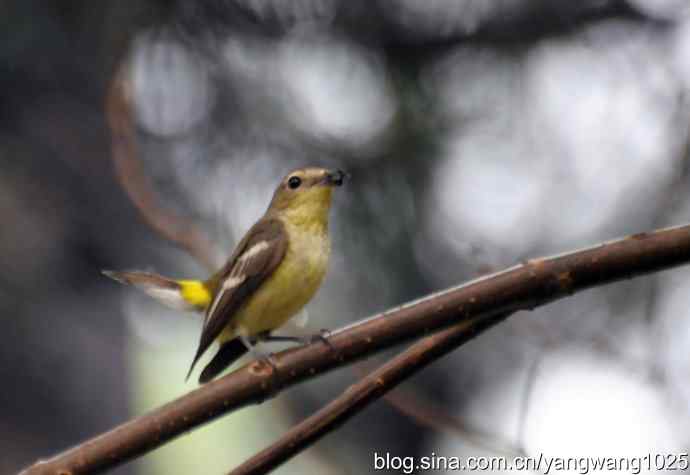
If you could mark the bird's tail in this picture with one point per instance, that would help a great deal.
(227, 354)
(178, 294)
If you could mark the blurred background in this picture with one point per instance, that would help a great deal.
(479, 133)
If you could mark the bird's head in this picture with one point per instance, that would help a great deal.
(305, 194)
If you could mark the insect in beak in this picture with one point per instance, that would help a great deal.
(336, 178)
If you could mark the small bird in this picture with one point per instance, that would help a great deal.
(273, 272)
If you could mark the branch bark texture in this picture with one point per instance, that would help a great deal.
(479, 303)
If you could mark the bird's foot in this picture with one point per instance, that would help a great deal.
(322, 336)
(267, 359)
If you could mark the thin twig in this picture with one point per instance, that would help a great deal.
(483, 302)
(431, 416)
(527, 393)
(136, 184)
(427, 414)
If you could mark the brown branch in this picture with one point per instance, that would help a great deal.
(476, 305)
(133, 179)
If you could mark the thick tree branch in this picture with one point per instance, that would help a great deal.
(481, 302)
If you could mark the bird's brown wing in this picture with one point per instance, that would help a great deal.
(254, 260)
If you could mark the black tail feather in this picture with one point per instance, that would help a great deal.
(228, 353)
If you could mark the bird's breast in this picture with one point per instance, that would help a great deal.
(308, 253)
(292, 284)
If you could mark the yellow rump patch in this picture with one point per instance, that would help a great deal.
(195, 293)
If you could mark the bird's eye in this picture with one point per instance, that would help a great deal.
(294, 182)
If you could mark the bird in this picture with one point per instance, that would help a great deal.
(274, 271)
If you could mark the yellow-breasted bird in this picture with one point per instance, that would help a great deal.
(273, 272)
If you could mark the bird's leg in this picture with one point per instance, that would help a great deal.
(322, 336)
(251, 344)
(302, 340)
(266, 336)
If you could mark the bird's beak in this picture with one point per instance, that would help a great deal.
(335, 177)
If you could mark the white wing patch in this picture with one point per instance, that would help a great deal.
(253, 251)
(237, 275)
(232, 282)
